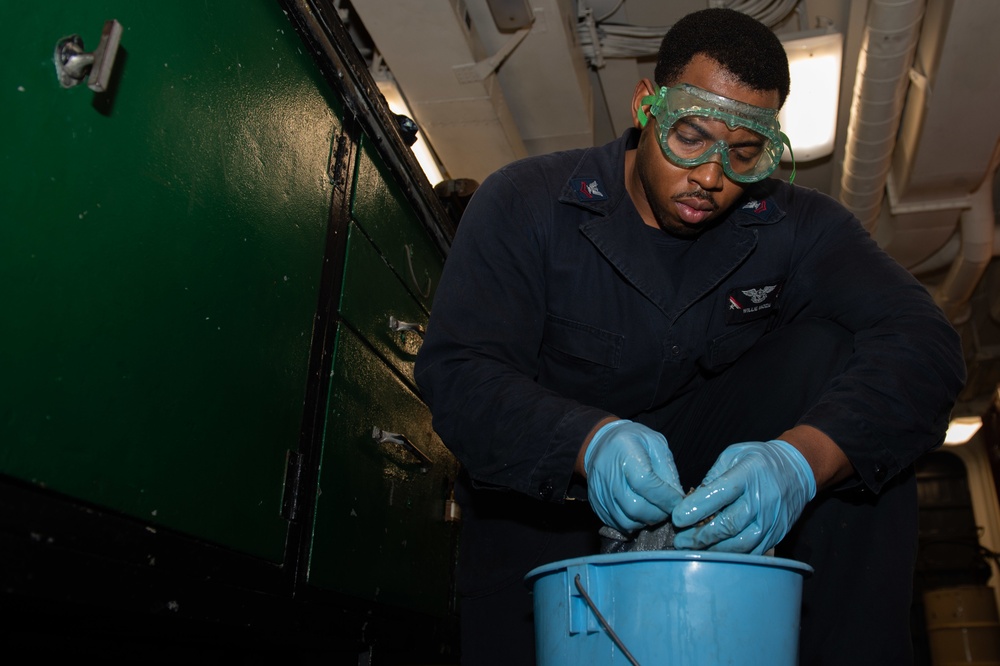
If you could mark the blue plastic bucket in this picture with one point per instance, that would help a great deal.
(669, 608)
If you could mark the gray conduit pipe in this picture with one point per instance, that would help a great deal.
(891, 31)
(949, 253)
(977, 227)
(943, 257)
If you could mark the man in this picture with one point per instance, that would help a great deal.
(618, 325)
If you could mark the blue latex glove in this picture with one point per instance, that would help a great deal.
(632, 481)
(754, 492)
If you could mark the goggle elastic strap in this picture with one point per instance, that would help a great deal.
(784, 137)
(643, 119)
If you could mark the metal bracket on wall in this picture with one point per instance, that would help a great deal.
(400, 326)
(73, 63)
(386, 437)
(478, 71)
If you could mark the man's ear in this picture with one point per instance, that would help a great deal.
(642, 90)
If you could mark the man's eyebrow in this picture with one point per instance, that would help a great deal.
(696, 127)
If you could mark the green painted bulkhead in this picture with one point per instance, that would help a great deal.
(214, 278)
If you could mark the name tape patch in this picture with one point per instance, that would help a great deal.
(754, 302)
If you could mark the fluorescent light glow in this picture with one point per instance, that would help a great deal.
(809, 116)
(420, 150)
(961, 429)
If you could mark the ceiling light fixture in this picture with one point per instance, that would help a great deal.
(809, 116)
(961, 429)
(511, 14)
(421, 151)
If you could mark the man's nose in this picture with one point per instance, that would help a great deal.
(709, 174)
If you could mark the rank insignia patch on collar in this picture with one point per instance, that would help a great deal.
(748, 303)
(587, 189)
(758, 208)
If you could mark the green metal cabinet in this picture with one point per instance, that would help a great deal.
(160, 252)
(383, 528)
(214, 277)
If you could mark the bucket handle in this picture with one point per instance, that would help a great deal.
(604, 623)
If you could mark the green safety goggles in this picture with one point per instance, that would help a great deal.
(692, 123)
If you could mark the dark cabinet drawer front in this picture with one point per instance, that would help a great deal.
(380, 531)
(380, 208)
(377, 305)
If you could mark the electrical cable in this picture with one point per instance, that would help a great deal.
(616, 40)
(614, 9)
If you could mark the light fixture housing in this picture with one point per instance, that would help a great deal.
(421, 150)
(961, 429)
(511, 14)
(809, 116)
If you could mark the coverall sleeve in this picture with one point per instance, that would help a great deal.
(894, 399)
(477, 366)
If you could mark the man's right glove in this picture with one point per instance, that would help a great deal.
(753, 494)
(632, 481)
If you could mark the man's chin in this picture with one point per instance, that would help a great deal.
(679, 229)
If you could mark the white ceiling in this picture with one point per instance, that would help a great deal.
(485, 93)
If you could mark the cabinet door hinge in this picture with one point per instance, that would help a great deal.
(337, 170)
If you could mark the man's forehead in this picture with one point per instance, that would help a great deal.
(706, 73)
(717, 128)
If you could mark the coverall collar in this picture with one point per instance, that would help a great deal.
(597, 184)
(618, 232)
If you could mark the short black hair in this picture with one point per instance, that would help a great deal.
(737, 41)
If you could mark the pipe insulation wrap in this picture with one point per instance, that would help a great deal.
(888, 46)
(978, 227)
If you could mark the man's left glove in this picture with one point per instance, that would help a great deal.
(632, 481)
(753, 494)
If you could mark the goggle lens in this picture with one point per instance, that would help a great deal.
(746, 156)
(694, 125)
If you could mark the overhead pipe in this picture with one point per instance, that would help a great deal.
(892, 28)
(942, 258)
(948, 253)
(977, 227)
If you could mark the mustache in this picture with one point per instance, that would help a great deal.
(697, 194)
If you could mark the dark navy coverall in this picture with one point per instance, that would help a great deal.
(558, 307)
